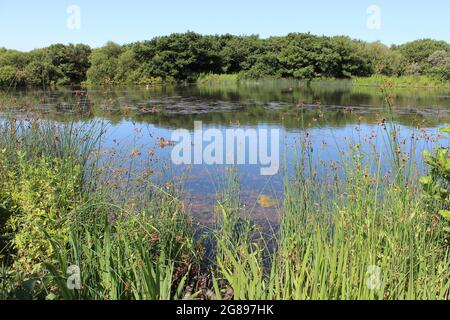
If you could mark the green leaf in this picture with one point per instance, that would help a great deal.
(445, 214)
(441, 155)
(50, 296)
(445, 130)
(426, 181)
(426, 153)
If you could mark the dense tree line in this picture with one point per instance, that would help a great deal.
(55, 65)
(183, 57)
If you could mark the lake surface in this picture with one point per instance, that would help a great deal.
(326, 117)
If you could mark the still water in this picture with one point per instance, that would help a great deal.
(325, 118)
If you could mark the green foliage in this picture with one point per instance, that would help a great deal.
(123, 260)
(330, 247)
(402, 81)
(71, 60)
(13, 58)
(241, 53)
(437, 184)
(104, 64)
(426, 57)
(41, 73)
(43, 175)
(420, 50)
(61, 215)
(266, 66)
(384, 61)
(333, 231)
(222, 79)
(41, 196)
(441, 72)
(8, 76)
(56, 65)
(184, 57)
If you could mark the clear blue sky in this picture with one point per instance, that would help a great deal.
(31, 24)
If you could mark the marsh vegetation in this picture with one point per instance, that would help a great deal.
(356, 212)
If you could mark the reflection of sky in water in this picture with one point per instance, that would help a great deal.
(328, 144)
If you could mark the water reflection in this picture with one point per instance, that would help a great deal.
(325, 117)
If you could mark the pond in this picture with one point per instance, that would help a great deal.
(324, 117)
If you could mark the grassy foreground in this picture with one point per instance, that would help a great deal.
(360, 235)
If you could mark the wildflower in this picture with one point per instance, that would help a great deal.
(148, 173)
(135, 153)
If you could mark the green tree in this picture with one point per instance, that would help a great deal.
(241, 53)
(13, 58)
(104, 64)
(71, 60)
(383, 60)
(8, 76)
(41, 73)
(420, 50)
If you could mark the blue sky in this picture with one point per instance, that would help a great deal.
(31, 24)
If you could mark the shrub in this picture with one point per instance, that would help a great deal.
(41, 196)
(437, 183)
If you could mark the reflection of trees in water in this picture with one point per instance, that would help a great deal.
(258, 115)
(291, 104)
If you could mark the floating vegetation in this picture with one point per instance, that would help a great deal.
(266, 201)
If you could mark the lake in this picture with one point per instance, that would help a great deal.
(323, 118)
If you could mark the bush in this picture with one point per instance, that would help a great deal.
(41, 195)
(437, 183)
(442, 73)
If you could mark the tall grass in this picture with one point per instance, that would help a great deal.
(128, 259)
(356, 233)
(362, 239)
(372, 81)
(133, 247)
(214, 79)
(402, 81)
